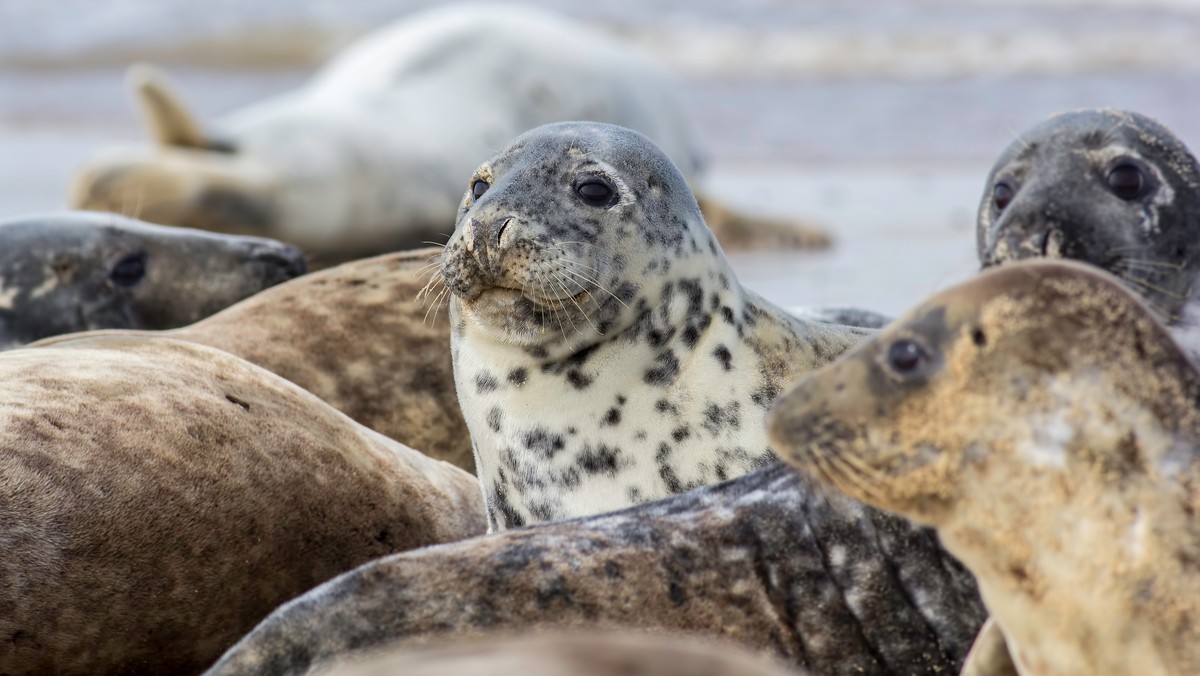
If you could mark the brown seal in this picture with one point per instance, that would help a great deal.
(558, 654)
(356, 337)
(158, 498)
(1046, 424)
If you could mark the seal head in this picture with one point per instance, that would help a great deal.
(1112, 188)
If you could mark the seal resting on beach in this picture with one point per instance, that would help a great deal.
(1044, 422)
(73, 271)
(369, 155)
(592, 315)
(158, 498)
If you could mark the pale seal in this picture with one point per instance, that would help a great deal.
(604, 353)
(73, 271)
(768, 560)
(158, 498)
(357, 337)
(1046, 424)
(369, 155)
(571, 654)
(1107, 187)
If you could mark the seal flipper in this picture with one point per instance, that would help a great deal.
(989, 654)
(740, 231)
(164, 113)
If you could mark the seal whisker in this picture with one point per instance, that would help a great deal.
(861, 483)
(597, 284)
(553, 309)
(1143, 282)
(566, 310)
(1142, 262)
(577, 305)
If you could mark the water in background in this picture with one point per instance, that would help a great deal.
(877, 120)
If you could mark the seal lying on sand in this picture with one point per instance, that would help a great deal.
(764, 560)
(74, 271)
(591, 654)
(369, 156)
(1107, 187)
(159, 498)
(356, 337)
(593, 315)
(1047, 426)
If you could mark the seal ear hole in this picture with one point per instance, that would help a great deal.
(1002, 194)
(979, 337)
(129, 270)
(1127, 181)
(478, 187)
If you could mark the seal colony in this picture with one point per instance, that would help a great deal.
(73, 271)
(159, 498)
(592, 314)
(1079, 522)
(368, 157)
(1111, 188)
(355, 336)
(769, 561)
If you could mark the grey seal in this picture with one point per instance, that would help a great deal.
(769, 561)
(592, 315)
(74, 271)
(1045, 423)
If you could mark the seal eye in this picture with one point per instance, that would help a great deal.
(1126, 181)
(479, 187)
(1002, 194)
(906, 356)
(129, 270)
(594, 192)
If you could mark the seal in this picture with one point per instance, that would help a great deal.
(357, 337)
(159, 498)
(591, 313)
(769, 561)
(1112, 188)
(73, 271)
(565, 654)
(1046, 424)
(368, 157)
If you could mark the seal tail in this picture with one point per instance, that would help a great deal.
(739, 231)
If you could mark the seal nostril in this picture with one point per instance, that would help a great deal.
(289, 260)
(502, 228)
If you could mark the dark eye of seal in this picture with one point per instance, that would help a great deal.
(1126, 181)
(129, 270)
(906, 356)
(595, 192)
(1002, 194)
(478, 188)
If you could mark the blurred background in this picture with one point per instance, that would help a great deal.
(876, 120)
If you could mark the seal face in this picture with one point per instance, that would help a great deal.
(1046, 424)
(76, 271)
(592, 317)
(1111, 188)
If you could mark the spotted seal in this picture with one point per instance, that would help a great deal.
(769, 561)
(368, 157)
(73, 271)
(397, 379)
(1112, 188)
(591, 314)
(158, 498)
(567, 654)
(1047, 425)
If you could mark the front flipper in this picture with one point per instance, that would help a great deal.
(739, 231)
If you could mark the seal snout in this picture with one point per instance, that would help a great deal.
(1017, 243)
(285, 260)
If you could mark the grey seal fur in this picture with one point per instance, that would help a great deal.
(1046, 424)
(769, 561)
(588, 334)
(75, 271)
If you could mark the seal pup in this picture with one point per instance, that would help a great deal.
(1046, 424)
(73, 271)
(1112, 188)
(567, 654)
(355, 336)
(369, 155)
(158, 498)
(592, 312)
(769, 561)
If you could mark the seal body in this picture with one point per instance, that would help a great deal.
(74, 271)
(158, 498)
(591, 314)
(1107, 187)
(369, 156)
(769, 561)
(357, 337)
(1077, 522)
